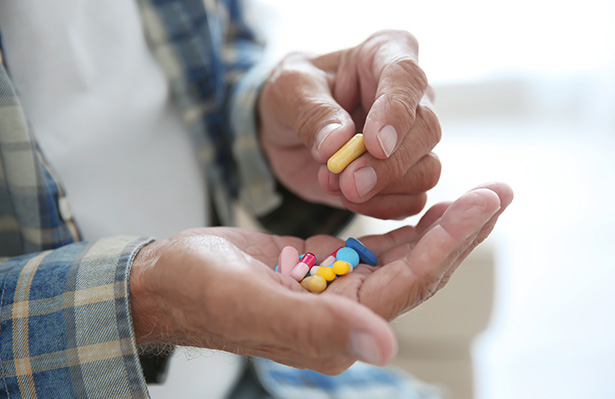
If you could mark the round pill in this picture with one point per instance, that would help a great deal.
(326, 272)
(317, 284)
(365, 254)
(349, 255)
(334, 253)
(305, 283)
(342, 267)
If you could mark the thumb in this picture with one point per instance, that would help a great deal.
(330, 329)
(297, 96)
(322, 125)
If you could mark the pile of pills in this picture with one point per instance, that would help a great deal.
(342, 261)
(316, 278)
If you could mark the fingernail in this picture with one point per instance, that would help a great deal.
(324, 133)
(365, 180)
(387, 137)
(364, 346)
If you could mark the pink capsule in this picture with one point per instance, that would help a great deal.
(329, 261)
(303, 267)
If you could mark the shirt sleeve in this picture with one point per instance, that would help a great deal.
(65, 322)
(247, 67)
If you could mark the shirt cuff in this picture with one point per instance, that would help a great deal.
(66, 326)
(257, 185)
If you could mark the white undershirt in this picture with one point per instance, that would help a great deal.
(99, 105)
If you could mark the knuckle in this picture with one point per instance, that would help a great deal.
(395, 34)
(432, 125)
(399, 100)
(405, 36)
(286, 73)
(410, 67)
(428, 288)
(398, 166)
(431, 171)
(292, 71)
(417, 204)
(309, 114)
(412, 206)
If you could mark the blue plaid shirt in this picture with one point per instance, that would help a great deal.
(65, 322)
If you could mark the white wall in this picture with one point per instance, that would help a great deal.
(526, 94)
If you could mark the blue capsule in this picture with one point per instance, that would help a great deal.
(365, 254)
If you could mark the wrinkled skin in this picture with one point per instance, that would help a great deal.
(310, 106)
(216, 288)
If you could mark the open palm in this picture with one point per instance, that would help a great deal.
(220, 290)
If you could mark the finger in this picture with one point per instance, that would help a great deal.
(421, 177)
(321, 333)
(413, 279)
(389, 206)
(382, 243)
(392, 202)
(300, 93)
(463, 220)
(401, 84)
(330, 182)
(506, 196)
(432, 216)
(413, 163)
(430, 95)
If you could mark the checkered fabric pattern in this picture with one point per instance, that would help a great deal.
(30, 196)
(360, 381)
(65, 322)
(212, 60)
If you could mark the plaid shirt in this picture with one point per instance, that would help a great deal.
(65, 322)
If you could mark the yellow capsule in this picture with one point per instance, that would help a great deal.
(342, 267)
(348, 153)
(326, 272)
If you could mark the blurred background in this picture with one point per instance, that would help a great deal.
(525, 92)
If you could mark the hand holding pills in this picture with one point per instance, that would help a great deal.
(310, 107)
(216, 287)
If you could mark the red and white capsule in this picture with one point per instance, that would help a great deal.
(303, 267)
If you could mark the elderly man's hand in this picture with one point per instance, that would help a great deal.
(310, 106)
(216, 288)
